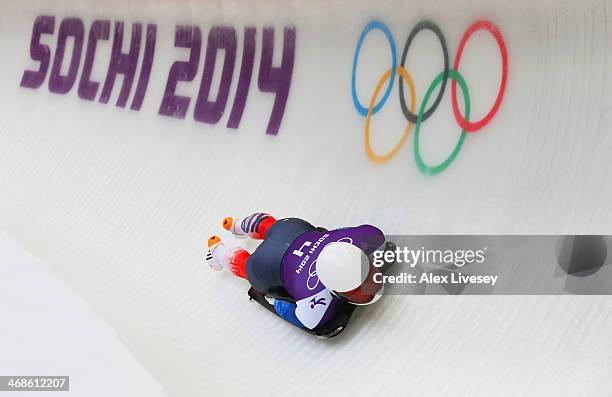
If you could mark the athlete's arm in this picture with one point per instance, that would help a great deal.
(285, 310)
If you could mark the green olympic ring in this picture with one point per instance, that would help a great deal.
(436, 169)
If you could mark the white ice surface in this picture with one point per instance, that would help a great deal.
(46, 329)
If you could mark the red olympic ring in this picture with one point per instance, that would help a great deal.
(468, 126)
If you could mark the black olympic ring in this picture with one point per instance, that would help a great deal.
(423, 25)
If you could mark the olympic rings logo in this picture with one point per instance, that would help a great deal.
(424, 113)
(312, 275)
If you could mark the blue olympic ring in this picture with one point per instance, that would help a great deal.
(383, 28)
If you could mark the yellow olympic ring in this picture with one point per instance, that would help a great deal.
(393, 152)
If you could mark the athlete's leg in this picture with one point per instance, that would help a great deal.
(255, 225)
(232, 258)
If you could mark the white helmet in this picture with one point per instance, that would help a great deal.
(345, 270)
